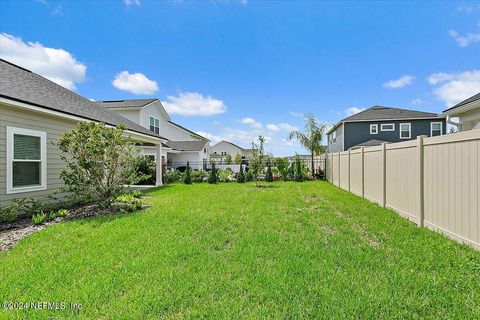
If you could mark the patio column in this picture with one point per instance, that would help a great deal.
(158, 164)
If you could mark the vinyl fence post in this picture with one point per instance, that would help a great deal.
(339, 159)
(384, 175)
(348, 162)
(363, 172)
(421, 192)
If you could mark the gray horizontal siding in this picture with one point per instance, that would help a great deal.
(54, 127)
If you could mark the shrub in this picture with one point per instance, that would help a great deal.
(128, 203)
(136, 194)
(199, 175)
(249, 175)
(298, 169)
(145, 166)
(99, 162)
(212, 178)
(269, 174)
(187, 179)
(63, 213)
(172, 176)
(282, 166)
(241, 175)
(38, 218)
(228, 159)
(225, 175)
(9, 213)
(257, 162)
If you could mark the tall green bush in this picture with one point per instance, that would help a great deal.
(282, 166)
(298, 175)
(212, 178)
(99, 161)
(257, 162)
(269, 174)
(241, 175)
(187, 179)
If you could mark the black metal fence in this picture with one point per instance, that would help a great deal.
(319, 165)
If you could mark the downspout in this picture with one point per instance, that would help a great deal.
(453, 123)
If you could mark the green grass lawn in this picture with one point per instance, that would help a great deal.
(293, 250)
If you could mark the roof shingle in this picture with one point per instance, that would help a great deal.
(388, 113)
(187, 145)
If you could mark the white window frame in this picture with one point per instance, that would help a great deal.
(387, 124)
(334, 136)
(431, 128)
(11, 131)
(154, 118)
(374, 126)
(409, 130)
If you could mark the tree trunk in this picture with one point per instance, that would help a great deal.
(313, 166)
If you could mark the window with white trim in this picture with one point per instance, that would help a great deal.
(436, 129)
(26, 160)
(405, 130)
(334, 136)
(154, 124)
(373, 128)
(387, 127)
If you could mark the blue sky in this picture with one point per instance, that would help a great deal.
(236, 69)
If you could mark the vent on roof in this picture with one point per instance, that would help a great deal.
(107, 101)
(380, 108)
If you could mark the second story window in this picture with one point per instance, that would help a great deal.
(373, 128)
(154, 125)
(334, 136)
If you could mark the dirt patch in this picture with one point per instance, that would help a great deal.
(327, 229)
(366, 236)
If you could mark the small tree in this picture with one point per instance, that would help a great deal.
(282, 166)
(228, 159)
(269, 174)
(257, 162)
(241, 175)
(99, 162)
(311, 137)
(187, 179)
(212, 178)
(238, 158)
(298, 175)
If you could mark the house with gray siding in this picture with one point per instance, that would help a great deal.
(380, 124)
(34, 113)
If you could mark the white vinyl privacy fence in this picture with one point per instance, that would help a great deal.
(434, 182)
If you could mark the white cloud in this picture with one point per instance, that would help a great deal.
(455, 87)
(213, 138)
(273, 127)
(353, 110)
(251, 122)
(416, 101)
(297, 114)
(129, 3)
(56, 65)
(466, 40)
(194, 104)
(136, 83)
(439, 77)
(287, 127)
(401, 82)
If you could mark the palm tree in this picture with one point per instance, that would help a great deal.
(311, 137)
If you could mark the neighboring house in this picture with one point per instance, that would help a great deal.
(183, 144)
(380, 124)
(34, 112)
(468, 113)
(224, 148)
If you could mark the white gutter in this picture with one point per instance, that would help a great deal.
(453, 123)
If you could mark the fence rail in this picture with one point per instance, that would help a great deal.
(433, 182)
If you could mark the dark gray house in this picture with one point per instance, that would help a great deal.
(380, 124)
